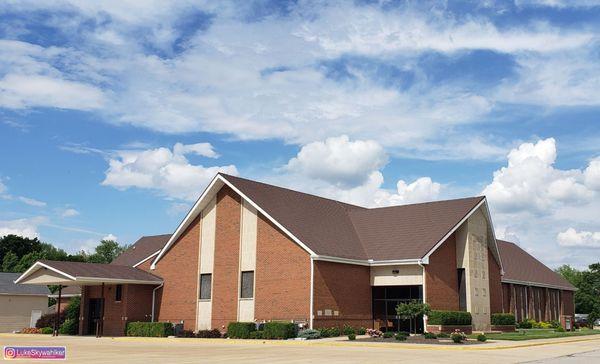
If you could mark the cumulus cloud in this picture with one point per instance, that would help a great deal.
(164, 170)
(21, 227)
(31, 201)
(339, 160)
(592, 174)
(530, 182)
(69, 213)
(110, 237)
(580, 239)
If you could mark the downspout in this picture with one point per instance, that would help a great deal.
(420, 263)
(312, 288)
(154, 299)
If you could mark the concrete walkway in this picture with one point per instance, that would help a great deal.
(151, 350)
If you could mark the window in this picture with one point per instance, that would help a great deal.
(118, 292)
(205, 283)
(247, 285)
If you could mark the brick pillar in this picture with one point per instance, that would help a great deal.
(530, 303)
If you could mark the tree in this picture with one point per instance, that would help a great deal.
(18, 245)
(587, 297)
(570, 274)
(412, 310)
(10, 262)
(106, 252)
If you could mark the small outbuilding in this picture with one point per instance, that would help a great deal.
(20, 305)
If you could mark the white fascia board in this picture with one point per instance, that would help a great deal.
(65, 295)
(206, 196)
(368, 263)
(442, 240)
(145, 259)
(95, 280)
(36, 266)
(535, 284)
(188, 218)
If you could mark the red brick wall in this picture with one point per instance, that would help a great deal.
(495, 280)
(177, 299)
(568, 303)
(282, 276)
(441, 280)
(114, 312)
(226, 260)
(344, 288)
(138, 302)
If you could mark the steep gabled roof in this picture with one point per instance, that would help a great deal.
(141, 250)
(332, 229)
(521, 267)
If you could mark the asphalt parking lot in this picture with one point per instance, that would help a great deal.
(148, 350)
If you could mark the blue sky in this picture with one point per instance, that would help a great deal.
(115, 115)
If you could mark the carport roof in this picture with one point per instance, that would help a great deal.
(77, 273)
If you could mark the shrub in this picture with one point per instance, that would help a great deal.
(374, 333)
(240, 330)
(47, 330)
(352, 337)
(207, 334)
(449, 318)
(347, 330)
(149, 329)
(400, 336)
(69, 327)
(388, 334)
(429, 335)
(48, 319)
(257, 335)
(310, 334)
(443, 335)
(361, 331)
(481, 338)
(330, 332)
(527, 324)
(186, 333)
(560, 329)
(280, 330)
(458, 336)
(503, 319)
(555, 324)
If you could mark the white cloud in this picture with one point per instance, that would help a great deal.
(339, 160)
(31, 201)
(581, 239)
(530, 182)
(69, 213)
(592, 174)
(2, 187)
(21, 227)
(201, 149)
(163, 170)
(110, 237)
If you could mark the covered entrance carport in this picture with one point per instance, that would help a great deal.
(126, 292)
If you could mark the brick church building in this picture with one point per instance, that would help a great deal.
(249, 251)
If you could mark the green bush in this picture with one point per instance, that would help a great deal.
(240, 330)
(560, 329)
(503, 319)
(310, 334)
(388, 334)
(527, 324)
(429, 335)
(361, 331)
(207, 334)
(401, 336)
(481, 338)
(279, 330)
(149, 329)
(257, 335)
(69, 327)
(348, 330)
(330, 332)
(443, 335)
(450, 318)
(458, 337)
(47, 330)
(554, 324)
(352, 337)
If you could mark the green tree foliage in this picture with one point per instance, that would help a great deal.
(587, 296)
(412, 310)
(106, 252)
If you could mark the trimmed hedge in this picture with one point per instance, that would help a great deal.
(240, 330)
(279, 330)
(149, 329)
(208, 334)
(503, 319)
(449, 318)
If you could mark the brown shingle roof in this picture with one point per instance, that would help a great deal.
(102, 271)
(337, 229)
(521, 266)
(141, 249)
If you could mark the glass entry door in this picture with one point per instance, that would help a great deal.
(385, 300)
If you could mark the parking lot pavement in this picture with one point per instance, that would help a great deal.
(592, 356)
(148, 350)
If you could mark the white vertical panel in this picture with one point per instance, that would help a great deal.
(207, 255)
(248, 233)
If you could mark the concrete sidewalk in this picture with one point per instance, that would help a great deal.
(169, 350)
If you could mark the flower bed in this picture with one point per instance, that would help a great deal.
(448, 329)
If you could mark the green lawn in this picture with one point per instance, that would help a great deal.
(531, 334)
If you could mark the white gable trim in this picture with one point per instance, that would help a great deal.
(483, 202)
(214, 186)
(148, 257)
(36, 266)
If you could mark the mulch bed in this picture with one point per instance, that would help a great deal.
(417, 340)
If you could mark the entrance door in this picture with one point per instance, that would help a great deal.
(35, 316)
(95, 305)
